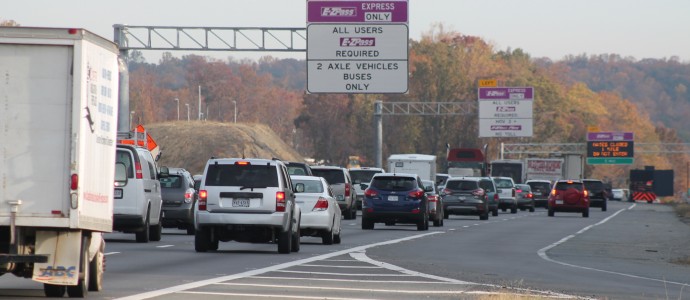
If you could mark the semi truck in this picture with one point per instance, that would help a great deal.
(58, 129)
(513, 168)
(466, 162)
(420, 164)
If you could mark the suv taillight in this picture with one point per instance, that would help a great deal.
(189, 195)
(280, 201)
(137, 168)
(448, 191)
(513, 192)
(416, 193)
(347, 189)
(321, 204)
(203, 195)
(370, 193)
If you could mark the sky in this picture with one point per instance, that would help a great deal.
(543, 28)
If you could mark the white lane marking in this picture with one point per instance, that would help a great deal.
(348, 260)
(331, 266)
(192, 285)
(360, 255)
(466, 226)
(165, 246)
(111, 253)
(452, 229)
(342, 274)
(270, 296)
(340, 288)
(543, 255)
(349, 280)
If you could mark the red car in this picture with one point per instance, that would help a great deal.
(569, 196)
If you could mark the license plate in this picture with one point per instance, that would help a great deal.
(240, 202)
(461, 198)
(559, 201)
(118, 194)
(392, 198)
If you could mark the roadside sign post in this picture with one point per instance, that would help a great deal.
(610, 148)
(357, 47)
(505, 111)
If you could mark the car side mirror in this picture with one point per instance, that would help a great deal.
(299, 188)
(165, 172)
(120, 174)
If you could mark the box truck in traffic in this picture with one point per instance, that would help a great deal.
(420, 164)
(58, 128)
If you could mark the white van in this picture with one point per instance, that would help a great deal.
(138, 202)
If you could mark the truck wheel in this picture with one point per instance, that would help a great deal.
(96, 268)
(495, 212)
(295, 240)
(82, 288)
(367, 225)
(513, 210)
(157, 230)
(285, 241)
(190, 229)
(143, 234)
(202, 240)
(551, 213)
(437, 222)
(484, 216)
(53, 291)
(531, 209)
(354, 212)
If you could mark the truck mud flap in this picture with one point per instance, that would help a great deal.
(63, 249)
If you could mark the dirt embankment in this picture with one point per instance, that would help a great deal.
(189, 145)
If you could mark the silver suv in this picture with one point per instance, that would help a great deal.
(341, 184)
(506, 194)
(246, 200)
(361, 177)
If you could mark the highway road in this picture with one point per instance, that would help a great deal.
(623, 253)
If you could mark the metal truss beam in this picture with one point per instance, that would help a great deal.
(429, 108)
(210, 38)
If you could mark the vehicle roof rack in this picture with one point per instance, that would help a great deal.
(136, 139)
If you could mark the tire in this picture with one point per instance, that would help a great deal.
(96, 269)
(531, 209)
(354, 212)
(81, 290)
(327, 237)
(504, 209)
(484, 216)
(190, 229)
(603, 208)
(513, 210)
(54, 291)
(143, 234)
(336, 239)
(295, 240)
(438, 222)
(551, 212)
(585, 213)
(285, 241)
(202, 240)
(495, 212)
(367, 225)
(446, 215)
(423, 224)
(157, 230)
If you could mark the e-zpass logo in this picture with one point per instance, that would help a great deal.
(495, 93)
(338, 11)
(357, 42)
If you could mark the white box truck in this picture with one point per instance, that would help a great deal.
(58, 129)
(420, 164)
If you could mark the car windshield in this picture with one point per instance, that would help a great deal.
(523, 187)
(241, 175)
(333, 176)
(362, 176)
(461, 185)
(394, 183)
(171, 182)
(296, 169)
(562, 186)
(310, 186)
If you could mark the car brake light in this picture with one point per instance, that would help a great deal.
(586, 193)
(370, 193)
(416, 193)
(433, 198)
(347, 190)
(188, 195)
(74, 182)
(137, 168)
(242, 163)
(553, 192)
(496, 197)
(448, 191)
(280, 201)
(513, 192)
(530, 195)
(519, 191)
(321, 204)
(203, 195)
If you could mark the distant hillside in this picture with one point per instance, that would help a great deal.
(191, 144)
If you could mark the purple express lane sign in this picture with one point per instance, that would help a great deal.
(506, 93)
(357, 11)
(610, 136)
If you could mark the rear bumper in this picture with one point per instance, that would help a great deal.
(597, 202)
(397, 217)
(316, 220)
(127, 222)
(276, 219)
(569, 208)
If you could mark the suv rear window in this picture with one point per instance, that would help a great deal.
(503, 183)
(362, 176)
(562, 186)
(487, 185)
(539, 186)
(394, 183)
(332, 176)
(256, 176)
(594, 185)
(461, 185)
(172, 181)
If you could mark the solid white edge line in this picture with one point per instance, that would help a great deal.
(111, 253)
(543, 255)
(201, 283)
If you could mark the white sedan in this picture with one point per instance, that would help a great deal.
(320, 212)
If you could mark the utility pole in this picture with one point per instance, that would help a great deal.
(199, 102)
(178, 108)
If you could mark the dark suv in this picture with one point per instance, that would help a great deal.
(569, 196)
(598, 196)
(541, 190)
(465, 196)
(395, 198)
(179, 198)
